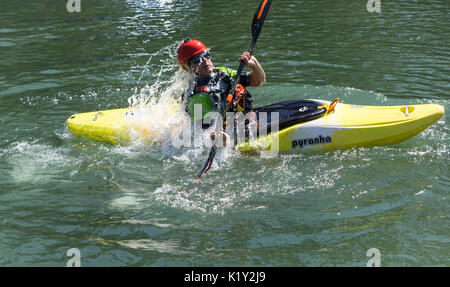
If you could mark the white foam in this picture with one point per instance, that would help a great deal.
(36, 163)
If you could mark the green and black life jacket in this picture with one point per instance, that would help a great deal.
(211, 93)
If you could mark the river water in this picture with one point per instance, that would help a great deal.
(129, 205)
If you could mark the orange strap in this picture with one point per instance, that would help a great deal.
(333, 104)
(330, 108)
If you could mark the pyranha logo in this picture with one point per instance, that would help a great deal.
(310, 141)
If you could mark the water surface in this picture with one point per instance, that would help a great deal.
(129, 205)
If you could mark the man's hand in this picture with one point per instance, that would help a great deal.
(250, 61)
(257, 75)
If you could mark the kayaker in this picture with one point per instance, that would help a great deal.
(212, 86)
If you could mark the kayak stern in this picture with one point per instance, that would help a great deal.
(351, 126)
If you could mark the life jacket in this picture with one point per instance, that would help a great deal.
(218, 88)
(214, 95)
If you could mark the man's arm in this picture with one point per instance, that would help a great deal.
(257, 75)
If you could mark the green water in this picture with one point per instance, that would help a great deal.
(128, 205)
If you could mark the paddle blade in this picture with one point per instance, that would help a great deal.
(209, 161)
(260, 16)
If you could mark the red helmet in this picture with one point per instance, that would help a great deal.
(188, 49)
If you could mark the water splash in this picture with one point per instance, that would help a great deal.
(158, 107)
(162, 87)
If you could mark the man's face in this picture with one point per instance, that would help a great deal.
(202, 64)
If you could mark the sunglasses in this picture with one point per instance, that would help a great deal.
(197, 59)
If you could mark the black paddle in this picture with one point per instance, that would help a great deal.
(257, 24)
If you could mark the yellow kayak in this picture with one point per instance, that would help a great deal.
(304, 125)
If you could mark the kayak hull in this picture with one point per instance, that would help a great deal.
(345, 127)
